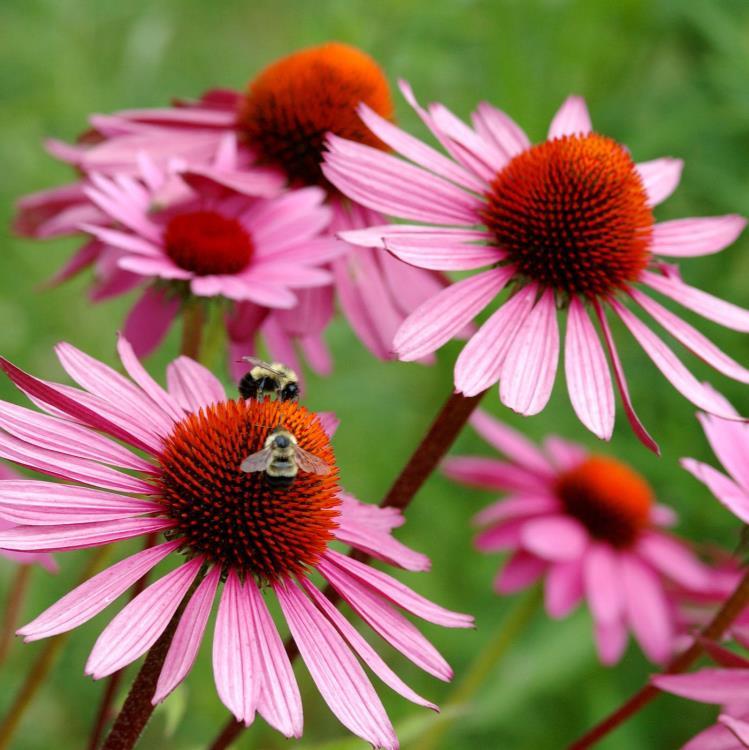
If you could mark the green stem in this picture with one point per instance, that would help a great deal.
(43, 664)
(483, 666)
(193, 320)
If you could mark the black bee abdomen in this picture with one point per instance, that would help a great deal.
(279, 481)
(248, 387)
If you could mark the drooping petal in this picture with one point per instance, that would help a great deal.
(187, 637)
(647, 608)
(730, 494)
(362, 648)
(519, 572)
(530, 367)
(740, 729)
(235, 657)
(138, 626)
(674, 559)
(394, 590)
(602, 581)
(563, 588)
(440, 318)
(338, 676)
(498, 128)
(708, 685)
(716, 737)
(443, 255)
(704, 304)
(572, 118)
(611, 640)
(555, 537)
(279, 701)
(588, 378)
(730, 443)
(660, 178)
(90, 598)
(621, 383)
(689, 238)
(488, 473)
(481, 362)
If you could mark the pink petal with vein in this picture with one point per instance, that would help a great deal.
(555, 537)
(660, 178)
(572, 118)
(689, 238)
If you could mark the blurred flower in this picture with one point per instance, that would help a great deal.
(279, 123)
(197, 235)
(567, 224)
(175, 468)
(22, 558)
(588, 525)
(727, 686)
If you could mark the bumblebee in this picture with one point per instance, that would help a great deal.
(269, 379)
(282, 458)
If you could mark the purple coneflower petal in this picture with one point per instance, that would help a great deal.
(674, 560)
(529, 369)
(394, 590)
(129, 242)
(514, 507)
(496, 127)
(480, 363)
(488, 473)
(740, 729)
(554, 537)
(438, 319)
(572, 118)
(278, 701)
(192, 385)
(337, 674)
(588, 377)
(691, 338)
(235, 657)
(704, 304)
(520, 571)
(708, 685)
(375, 236)
(188, 636)
(138, 626)
(716, 737)
(730, 494)
(647, 608)
(563, 453)
(37, 503)
(689, 238)
(660, 178)
(422, 251)
(388, 623)
(563, 588)
(162, 267)
(149, 320)
(611, 640)
(730, 443)
(370, 657)
(601, 578)
(79, 535)
(90, 598)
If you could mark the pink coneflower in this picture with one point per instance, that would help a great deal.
(565, 224)
(181, 450)
(727, 686)
(589, 527)
(209, 241)
(279, 123)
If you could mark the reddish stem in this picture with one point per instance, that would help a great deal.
(424, 460)
(722, 620)
(13, 607)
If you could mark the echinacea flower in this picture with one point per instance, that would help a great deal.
(208, 241)
(137, 459)
(589, 527)
(726, 685)
(22, 558)
(279, 123)
(564, 224)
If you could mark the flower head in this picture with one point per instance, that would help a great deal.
(277, 128)
(564, 224)
(589, 526)
(138, 459)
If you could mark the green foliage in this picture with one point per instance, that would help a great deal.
(663, 76)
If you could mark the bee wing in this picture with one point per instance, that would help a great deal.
(309, 463)
(262, 363)
(256, 462)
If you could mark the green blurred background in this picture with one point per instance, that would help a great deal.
(665, 77)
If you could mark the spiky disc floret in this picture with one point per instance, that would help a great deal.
(611, 500)
(573, 214)
(295, 101)
(240, 520)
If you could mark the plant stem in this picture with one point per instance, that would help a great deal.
(44, 661)
(482, 667)
(193, 319)
(113, 683)
(138, 707)
(442, 433)
(13, 606)
(731, 609)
